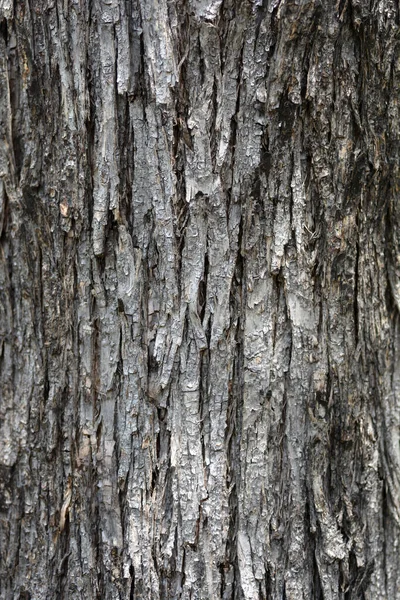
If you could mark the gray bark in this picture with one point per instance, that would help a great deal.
(200, 295)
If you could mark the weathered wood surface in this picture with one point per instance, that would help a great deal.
(200, 294)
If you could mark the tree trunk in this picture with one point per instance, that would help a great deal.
(200, 294)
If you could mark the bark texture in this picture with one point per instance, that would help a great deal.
(200, 295)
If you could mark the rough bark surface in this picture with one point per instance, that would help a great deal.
(200, 295)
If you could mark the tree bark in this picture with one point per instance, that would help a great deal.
(200, 295)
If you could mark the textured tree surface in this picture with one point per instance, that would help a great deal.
(200, 295)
